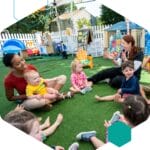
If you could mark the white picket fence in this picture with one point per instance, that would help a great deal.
(95, 48)
(30, 40)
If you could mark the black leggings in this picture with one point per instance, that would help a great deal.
(114, 74)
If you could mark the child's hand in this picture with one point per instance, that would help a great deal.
(107, 123)
(38, 96)
(123, 119)
(59, 148)
(53, 91)
(56, 91)
(19, 107)
(117, 97)
(119, 91)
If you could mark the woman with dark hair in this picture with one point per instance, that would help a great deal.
(114, 74)
(15, 81)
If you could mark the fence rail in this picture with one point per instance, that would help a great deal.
(30, 40)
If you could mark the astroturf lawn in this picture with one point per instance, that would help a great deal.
(81, 113)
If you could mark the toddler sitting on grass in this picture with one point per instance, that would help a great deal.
(79, 81)
(130, 85)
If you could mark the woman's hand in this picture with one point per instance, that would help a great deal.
(123, 56)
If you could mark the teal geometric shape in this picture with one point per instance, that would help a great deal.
(119, 133)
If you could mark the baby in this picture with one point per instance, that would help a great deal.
(37, 87)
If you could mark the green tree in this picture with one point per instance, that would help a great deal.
(66, 8)
(38, 21)
(108, 16)
(83, 22)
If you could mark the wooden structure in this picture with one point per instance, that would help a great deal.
(136, 31)
(84, 58)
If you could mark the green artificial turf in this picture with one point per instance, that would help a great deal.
(81, 113)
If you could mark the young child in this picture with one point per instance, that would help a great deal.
(130, 85)
(36, 87)
(29, 123)
(78, 79)
(135, 111)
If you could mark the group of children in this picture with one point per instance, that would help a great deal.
(37, 86)
(128, 94)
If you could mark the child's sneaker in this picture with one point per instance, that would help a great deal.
(86, 89)
(74, 146)
(68, 95)
(83, 91)
(85, 136)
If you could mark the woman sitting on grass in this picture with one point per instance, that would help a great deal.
(15, 81)
(114, 74)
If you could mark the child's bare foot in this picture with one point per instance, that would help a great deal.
(60, 96)
(98, 98)
(59, 119)
(148, 102)
(47, 122)
(39, 119)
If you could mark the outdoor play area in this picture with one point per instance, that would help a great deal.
(52, 50)
(82, 112)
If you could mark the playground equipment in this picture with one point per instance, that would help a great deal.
(113, 36)
(86, 60)
(31, 48)
(84, 38)
(13, 46)
(146, 63)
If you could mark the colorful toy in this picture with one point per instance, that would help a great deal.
(84, 58)
(13, 46)
(146, 63)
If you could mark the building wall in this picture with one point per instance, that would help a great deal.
(72, 22)
(82, 14)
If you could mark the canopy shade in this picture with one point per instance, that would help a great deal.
(122, 26)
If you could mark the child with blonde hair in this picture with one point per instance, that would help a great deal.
(79, 81)
(37, 87)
